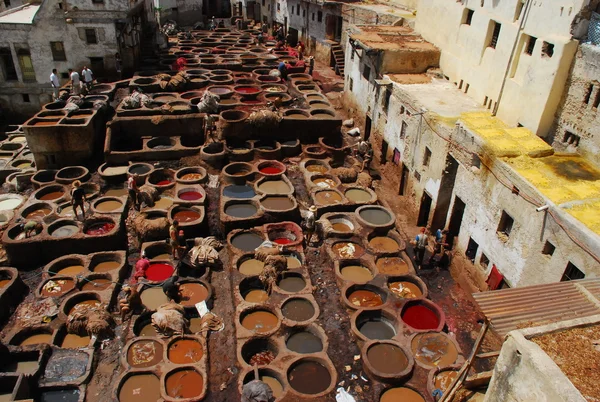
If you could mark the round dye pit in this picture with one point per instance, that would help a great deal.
(36, 339)
(274, 187)
(40, 212)
(152, 298)
(99, 228)
(50, 196)
(158, 272)
(186, 215)
(148, 330)
(9, 204)
(420, 317)
(140, 388)
(66, 230)
(341, 225)
(246, 241)
(260, 321)
(253, 290)
(98, 284)
(243, 210)
(72, 341)
(433, 350)
(444, 379)
(358, 195)
(309, 377)
(275, 203)
(374, 325)
(114, 170)
(190, 195)
(191, 177)
(259, 351)
(401, 394)
(85, 305)
(57, 287)
(356, 273)
(405, 289)
(239, 192)
(375, 216)
(326, 182)
(251, 267)
(163, 203)
(291, 283)
(66, 211)
(69, 270)
(192, 293)
(347, 249)
(269, 378)
(304, 342)
(384, 244)
(293, 262)
(365, 298)
(316, 168)
(298, 310)
(108, 205)
(139, 169)
(387, 358)
(105, 266)
(392, 266)
(186, 383)
(185, 351)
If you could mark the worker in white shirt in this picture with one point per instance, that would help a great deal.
(55, 84)
(75, 82)
(88, 77)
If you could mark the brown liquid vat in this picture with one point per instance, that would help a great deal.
(434, 349)
(258, 320)
(299, 311)
(387, 361)
(185, 383)
(370, 297)
(272, 377)
(381, 243)
(359, 271)
(397, 290)
(311, 376)
(80, 301)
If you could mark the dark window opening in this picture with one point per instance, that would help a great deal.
(518, 9)
(319, 16)
(484, 261)
(427, 156)
(471, 250)
(366, 72)
(417, 176)
(8, 65)
(588, 94)
(313, 16)
(58, 51)
(384, 150)
(596, 99)
(298, 10)
(475, 161)
(26, 65)
(304, 13)
(548, 248)
(351, 84)
(530, 45)
(506, 224)
(90, 36)
(495, 35)
(60, 5)
(278, 6)
(386, 100)
(515, 190)
(26, 98)
(467, 88)
(403, 129)
(292, 10)
(467, 16)
(547, 49)
(572, 273)
(97, 1)
(7, 3)
(571, 139)
(401, 109)
(263, 3)
(64, 76)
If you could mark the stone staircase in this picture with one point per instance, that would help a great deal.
(338, 55)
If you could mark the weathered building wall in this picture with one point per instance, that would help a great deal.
(533, 82)
(577, 124)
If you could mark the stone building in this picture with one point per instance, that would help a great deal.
(35, 38)
(470, 172)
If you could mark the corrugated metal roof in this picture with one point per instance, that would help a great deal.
(530, 306)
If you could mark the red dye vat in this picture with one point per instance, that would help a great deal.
(99, 229)
(282, 240)
(164, 182)
(247, 90)
(270, 170)
(159, 272)
(420, 317)
(190, 196)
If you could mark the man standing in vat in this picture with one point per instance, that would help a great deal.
(309, 223)
(174, 239)
(420, 244)
(75, 82)
(78, 198)
(88, 77)
(55, 84)
(133, 191)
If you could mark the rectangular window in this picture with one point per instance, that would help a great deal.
(402, 109)
(530, 45)
(467, 88)
(484, 261)
(64, 76)
(58, 51)
(460, 85)
(596, 100)
(263, 3)
(313, 16)
(278, 6)
(90, 36)
(495, 35)
(26, 98)
(98, 1)
(292, 10)
(350, 84)
(467, 16)
(7, 65)
(548, 248)
(403, 129)
(60, 5)
(572, 273)
(588, 94)
(298, 10)
(386, 100)
(506, 224)
(518, 9)
(7, 3)
(396, 158)
(319, 16)
(417, 176)
(571, 139)
(26, 65)
(366, 72)
(547, 49)
(471, 250)
(427, 156)
(304, 13)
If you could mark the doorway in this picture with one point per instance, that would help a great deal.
(456, 218)
(442, 205)
(250, 7)
(403, 180)
(424, 210)
(367, 128)
(97, 66)
(293, 35)
(384, 150)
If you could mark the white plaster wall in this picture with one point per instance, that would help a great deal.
(532, 95)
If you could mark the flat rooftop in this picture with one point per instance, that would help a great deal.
(385, 37)
(19, 15)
